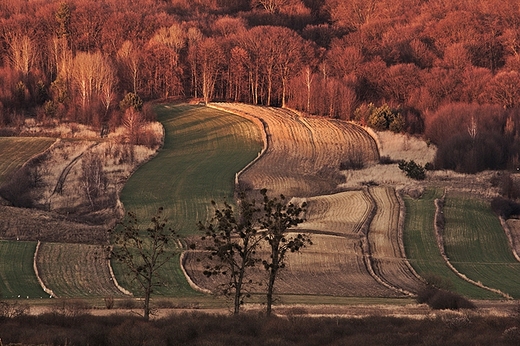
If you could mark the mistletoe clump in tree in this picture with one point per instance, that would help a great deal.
(143, 253)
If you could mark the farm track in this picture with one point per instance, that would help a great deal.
(65, 172)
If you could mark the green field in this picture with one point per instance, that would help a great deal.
(203, 150)
(14, 151)
(421, 246)
(17, 277)
(477, 245)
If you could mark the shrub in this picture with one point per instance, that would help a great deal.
(386, 160)
(505, 207)
(355, 161)
(412, 170)
(439, 299)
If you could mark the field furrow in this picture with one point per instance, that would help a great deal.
(341, 213)
(388, 261)
(304, 155)
(422, 250)
(477, 246)
(17, 276)
(75, 270)
(333, 265)
(17, 150)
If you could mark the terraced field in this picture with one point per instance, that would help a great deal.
(388, 261)
(203, 150)
(477, 245)
(303, 155)
(15, 151)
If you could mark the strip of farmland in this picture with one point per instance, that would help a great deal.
(477, 246)
(75, 270)
(383, 237)
(15, 151)
(17, 277)
(303, 155)
(422, 250)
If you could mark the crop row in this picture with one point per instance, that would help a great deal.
(303, 155)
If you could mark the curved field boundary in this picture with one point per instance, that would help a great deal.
(510, 238)
(182, 261)
(385, 256)
(303, 155)
(17, 276)
(16, 151)
(203, 150)
(476, 245)
(422, 250)
(75, 270)
(265, 138)
(35, 266)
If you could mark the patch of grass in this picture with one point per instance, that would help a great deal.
(477, 245)
(16, 150)
(203, 150)
(17, 277)
(421, 246)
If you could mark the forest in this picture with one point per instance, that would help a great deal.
(445, 69)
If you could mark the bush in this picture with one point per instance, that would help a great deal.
(386, 160)
(413, 170)
(439, 299)
(355, 161)
(505, 207)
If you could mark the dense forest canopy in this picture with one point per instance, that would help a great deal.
(448, 69)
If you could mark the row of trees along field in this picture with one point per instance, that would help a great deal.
(76, 60)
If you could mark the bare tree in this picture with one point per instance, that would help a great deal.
(22, 51)
(93, 177)
(133, 121)
(130, 58)
(144, 253)
(234, 240)
(210, 57)
(278, 218)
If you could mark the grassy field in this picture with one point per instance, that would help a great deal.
(203, 150)
(14, 151)
(477, 245)
(421, 246)
(17, 277)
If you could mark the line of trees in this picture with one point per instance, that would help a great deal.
(324, 56)
(234, 242)
(76, 60)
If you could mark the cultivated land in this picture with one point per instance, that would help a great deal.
(367, 243)
(17, 150)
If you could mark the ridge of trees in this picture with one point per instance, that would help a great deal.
(76, 60)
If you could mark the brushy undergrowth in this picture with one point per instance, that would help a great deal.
(56, 328)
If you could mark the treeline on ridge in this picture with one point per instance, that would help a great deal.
(446, 69)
